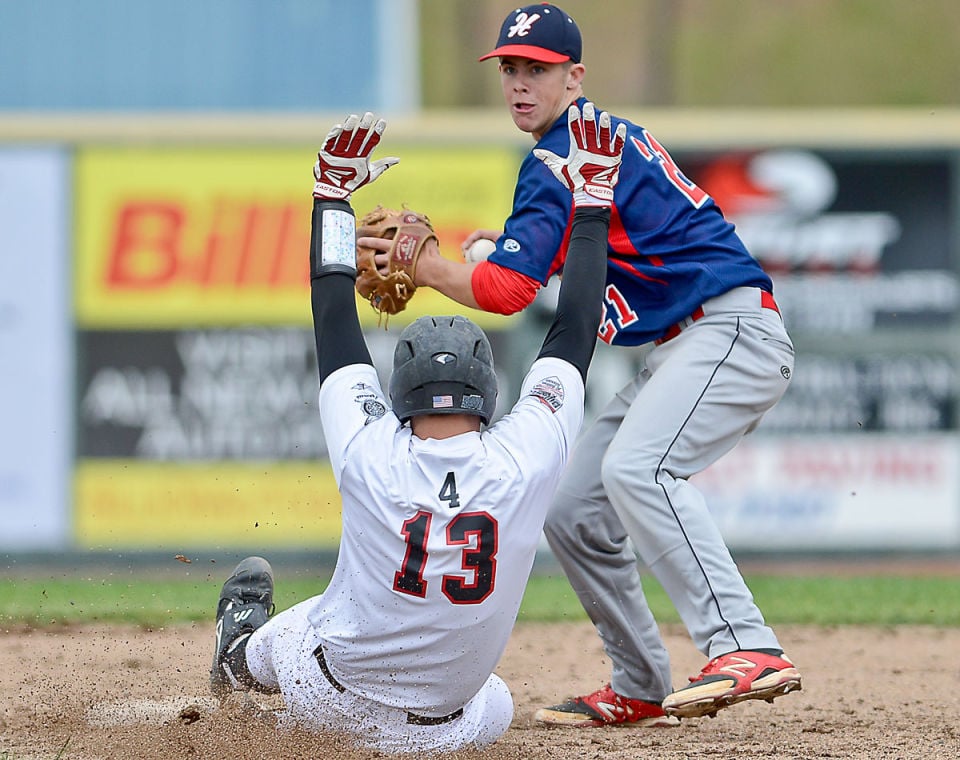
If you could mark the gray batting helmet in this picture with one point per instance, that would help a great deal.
(443, 365)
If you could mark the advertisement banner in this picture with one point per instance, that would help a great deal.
(155, 505)
(221, 236)
(196, 385)
(212, 395)
(209, 437)
(199, 395)
(35, 389)
(853, 240)
(907, 392)
(868, 492)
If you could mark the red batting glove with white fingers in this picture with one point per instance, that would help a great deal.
(343, 163)
(592, 168)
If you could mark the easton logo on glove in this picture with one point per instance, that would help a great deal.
(389, 293)
(343, 163)
(591, 169)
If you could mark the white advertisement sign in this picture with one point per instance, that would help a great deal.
(858, 492)
(36, 380)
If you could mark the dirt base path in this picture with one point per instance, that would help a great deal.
(867, 693)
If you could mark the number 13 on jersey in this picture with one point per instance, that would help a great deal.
(475, 532)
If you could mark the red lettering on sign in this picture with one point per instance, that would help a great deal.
(233, 243)
(894, 464)
(145, 245)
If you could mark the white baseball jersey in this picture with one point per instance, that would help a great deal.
(439, 536)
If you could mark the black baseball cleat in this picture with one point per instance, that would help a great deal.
(246, 602)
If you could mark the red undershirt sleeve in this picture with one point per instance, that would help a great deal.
(501, 290)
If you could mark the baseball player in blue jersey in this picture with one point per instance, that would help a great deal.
(680, 281)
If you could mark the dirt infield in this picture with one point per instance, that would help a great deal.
(115, 692)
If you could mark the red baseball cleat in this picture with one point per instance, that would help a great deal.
(605, 708)
(732, 678)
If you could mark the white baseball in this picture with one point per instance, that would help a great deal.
(480, 250)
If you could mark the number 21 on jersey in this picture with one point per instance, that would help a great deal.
(476, 532)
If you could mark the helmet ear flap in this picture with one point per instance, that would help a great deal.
(443, 365)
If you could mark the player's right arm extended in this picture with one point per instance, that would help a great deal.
(343, 165)
(336, 326)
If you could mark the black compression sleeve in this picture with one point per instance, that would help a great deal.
(336, 327)
(573, 334)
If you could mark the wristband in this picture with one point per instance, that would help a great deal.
(593, 198)
(333, 239)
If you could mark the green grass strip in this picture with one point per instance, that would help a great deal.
(63, 600)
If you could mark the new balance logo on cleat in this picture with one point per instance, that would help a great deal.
(605, 707)
(733, 678)
(615, 712)
(738, 666)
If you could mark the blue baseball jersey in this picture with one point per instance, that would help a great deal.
(669, 247)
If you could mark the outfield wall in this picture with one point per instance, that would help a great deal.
(159, 391)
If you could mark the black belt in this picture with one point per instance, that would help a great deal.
(318, 653)
(413, 719)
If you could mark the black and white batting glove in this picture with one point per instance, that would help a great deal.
(343, 163)
(592, 168)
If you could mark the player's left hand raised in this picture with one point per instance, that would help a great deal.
(592, 168)
(343, 163)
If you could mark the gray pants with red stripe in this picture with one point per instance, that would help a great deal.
(626, 492)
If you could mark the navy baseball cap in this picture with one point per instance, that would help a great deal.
(541, 32)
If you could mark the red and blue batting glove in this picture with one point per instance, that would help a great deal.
(343, 163)
(592, 168)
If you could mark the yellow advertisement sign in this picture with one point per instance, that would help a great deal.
(150, 505)
(174, 236)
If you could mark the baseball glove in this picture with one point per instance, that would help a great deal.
(409, 231)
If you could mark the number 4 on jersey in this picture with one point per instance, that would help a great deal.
(448, 492)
